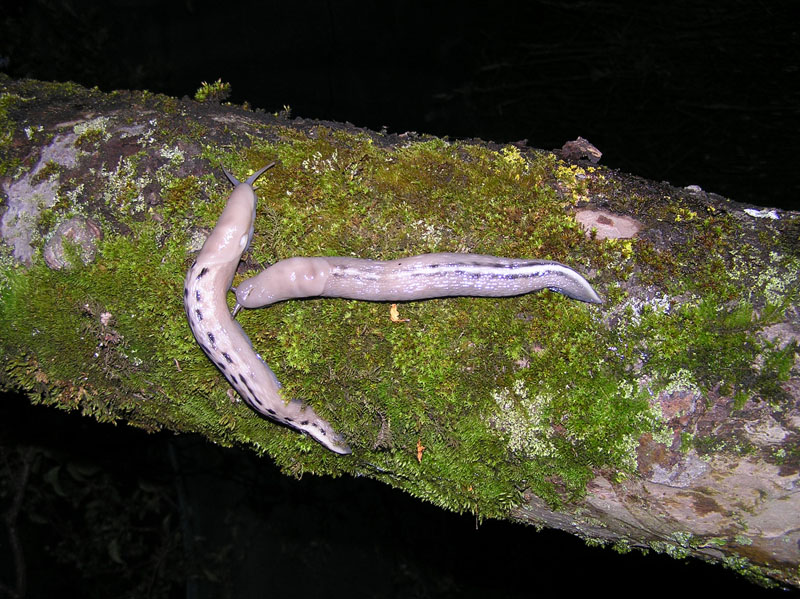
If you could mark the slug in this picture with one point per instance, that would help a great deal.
(220, 336)
(406, 279)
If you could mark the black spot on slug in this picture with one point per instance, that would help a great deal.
(185, 292)
(289, 419)
(197, 295)
(203, 271)
(246, 384)
(227, 357)
(212, 340)
(304, 422)
(271, 411)
(199, 314)
(220, 365)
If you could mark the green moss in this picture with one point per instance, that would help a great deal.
(622, 546)
(673, 550)
(49, 170)
(751, 572)
(217, 91)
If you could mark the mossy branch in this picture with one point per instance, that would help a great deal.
(667, 418)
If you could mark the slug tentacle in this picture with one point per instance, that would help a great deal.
(222, 339)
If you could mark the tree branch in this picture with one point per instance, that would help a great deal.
(667, 418)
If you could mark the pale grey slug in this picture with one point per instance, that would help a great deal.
(220, 336)
(417, 277)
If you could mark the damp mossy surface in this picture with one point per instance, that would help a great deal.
(465, 402)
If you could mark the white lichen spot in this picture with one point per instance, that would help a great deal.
(520, 418)
(427, 233)
(318, 165)
(174, 155)
(765, 213)
(680, 381)
(776, 286)
(147, 135)
(125, 190)
(772, 280)
(99, 125)
(520, 390)
(130, 130)
(635, 307)
(30, 132)
(73, 196)
(196, 241)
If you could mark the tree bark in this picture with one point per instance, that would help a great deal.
(667, 418)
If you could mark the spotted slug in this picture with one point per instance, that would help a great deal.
(220, 336)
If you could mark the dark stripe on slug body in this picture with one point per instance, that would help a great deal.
(227, 357)
(508, 276)
(185, 292)
(212, 340)
(203, 271)
(199, 314)
(246, 384)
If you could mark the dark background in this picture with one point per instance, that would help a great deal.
(689, 92)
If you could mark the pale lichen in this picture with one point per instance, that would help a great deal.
(124, 188)
(98, 125)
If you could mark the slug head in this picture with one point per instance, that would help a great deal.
(234, 230)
